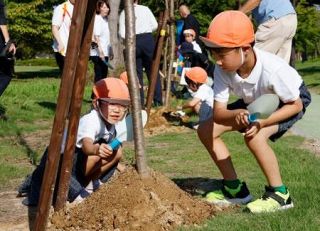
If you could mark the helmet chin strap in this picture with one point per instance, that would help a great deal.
(242, 56)
(101, 114)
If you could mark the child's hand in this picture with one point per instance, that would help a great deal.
(242, 119)
(104, 151)
(253, 129)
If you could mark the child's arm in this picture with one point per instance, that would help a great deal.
(192, 103)
(89, 148)
(229, 117)
(285, 112)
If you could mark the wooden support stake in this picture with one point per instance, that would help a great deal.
(75, 107)
(156, 62)
(63, 103)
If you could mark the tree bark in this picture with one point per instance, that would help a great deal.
(172, 50)
(130, 41)
(117, 46)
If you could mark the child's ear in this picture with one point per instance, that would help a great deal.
(246, 48)
(95, 103)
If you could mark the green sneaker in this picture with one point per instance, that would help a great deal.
(227, 196)
(271, 201)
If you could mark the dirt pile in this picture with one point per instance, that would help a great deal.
(129, 203)
(161, 121)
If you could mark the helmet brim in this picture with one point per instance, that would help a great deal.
(208, 43)
(123, 102)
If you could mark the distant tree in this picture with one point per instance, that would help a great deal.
(30, 25)
(308, 31)
(30, 22)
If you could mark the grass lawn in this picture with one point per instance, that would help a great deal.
(30, 102)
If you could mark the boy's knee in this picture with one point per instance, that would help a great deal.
(94, 159)
(118, 155)
(257, 139)
(205, 129)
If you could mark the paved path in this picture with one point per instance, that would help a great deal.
(309, 125)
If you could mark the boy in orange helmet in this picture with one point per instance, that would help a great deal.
(201, 92)
(94, 161)
(249, 73)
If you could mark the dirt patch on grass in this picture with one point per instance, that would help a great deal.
(313, 146)
(131, 203)
(160, 121)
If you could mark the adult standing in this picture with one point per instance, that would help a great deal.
(6, 47)
(189, 22)
(61, 22)
(277, 24)
(101, 50)
(145, 24)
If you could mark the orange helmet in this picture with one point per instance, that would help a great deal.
(189, 31)
(112, 90)
(197, 75)
(230, 29)
(124, 77)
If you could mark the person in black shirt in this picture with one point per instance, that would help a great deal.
(7, 50)
(190, 22)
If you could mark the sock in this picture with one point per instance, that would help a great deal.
(233, 184)
(83, 194)
(282, 189)
(93, 186)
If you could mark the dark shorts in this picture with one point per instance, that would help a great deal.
(285, 125)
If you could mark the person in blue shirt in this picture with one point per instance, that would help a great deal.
(277, 24)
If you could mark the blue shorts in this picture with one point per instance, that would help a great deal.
(285, 125)
(205, 112)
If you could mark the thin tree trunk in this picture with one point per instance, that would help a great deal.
(117, 46)
(130, 41)
(165, 56)
(172, 51)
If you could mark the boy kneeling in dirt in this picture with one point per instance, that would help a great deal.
(202, 94)
(94, 161)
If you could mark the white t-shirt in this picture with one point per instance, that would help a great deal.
(270, 74)
(145, 21)
(205, 94)
(62, 15)
(92, 126)
(101, 30)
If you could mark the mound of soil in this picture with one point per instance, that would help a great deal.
(161, 121)
(128, 202)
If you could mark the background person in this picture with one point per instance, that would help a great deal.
(190, 36)
(145, 24)
(201, 92)
(6, 64)
(61, 22)
(101, 50)
(189, 21)
(277, 25)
